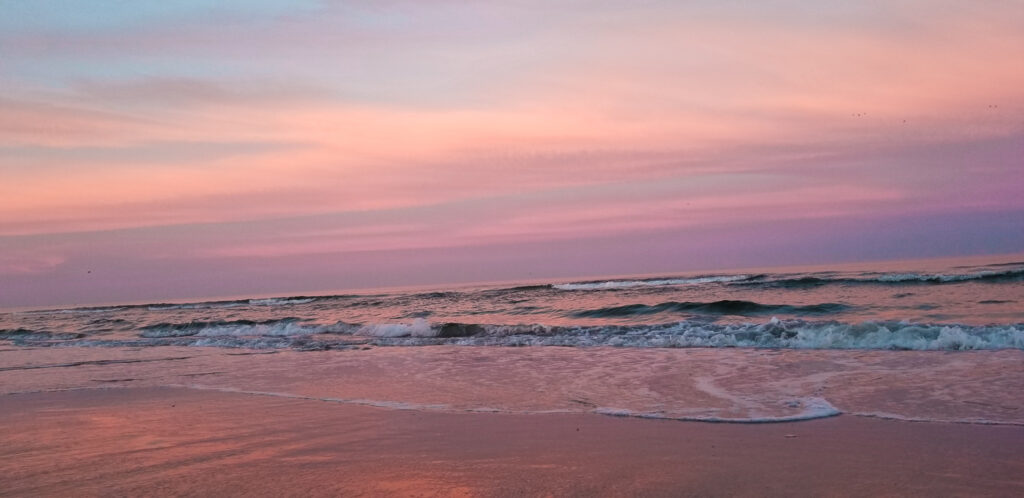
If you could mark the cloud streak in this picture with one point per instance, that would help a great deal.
(351, 127)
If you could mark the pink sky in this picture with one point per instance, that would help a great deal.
(152, 151)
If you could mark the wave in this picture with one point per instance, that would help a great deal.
(798, 281)
(775, 333)
(23, 334)
(198, 305)
(272, 301)
(653, 282)
(278, 327)
(89, 309)
(987, 276)
(418, 328)
(291, 327)
(723, 307)
(520, 288)
(940, 278)
(993, 265)
(282, 301)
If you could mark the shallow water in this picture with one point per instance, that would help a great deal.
(695, 384)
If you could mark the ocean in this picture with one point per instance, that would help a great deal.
(936, 340)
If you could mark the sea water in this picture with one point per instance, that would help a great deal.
(939, 340)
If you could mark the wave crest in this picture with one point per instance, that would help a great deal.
(654, 282)
(775, 333)
(987, 276)
(723, 307)
(278, 327)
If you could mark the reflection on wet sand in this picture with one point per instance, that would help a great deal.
(184, 442)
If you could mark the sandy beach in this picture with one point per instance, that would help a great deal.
(175, 441)
(480, 421)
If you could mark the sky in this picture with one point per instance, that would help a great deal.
(154, 150)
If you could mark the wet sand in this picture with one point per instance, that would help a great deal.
(176, 441)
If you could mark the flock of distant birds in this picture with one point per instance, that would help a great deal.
(862, 114)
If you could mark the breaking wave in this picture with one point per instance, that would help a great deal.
(278, 327)
(775, 333)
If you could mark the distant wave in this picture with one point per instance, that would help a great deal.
(88, 309)
(653, 282)
(272, 301)
(281, 301)
(198, 305)
(938, 278)
(783, 281)
(724, 307)
(796, 281)
(1015, 275)
(994, 265)
(522, 288)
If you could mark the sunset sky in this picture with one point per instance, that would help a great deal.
(158, 150)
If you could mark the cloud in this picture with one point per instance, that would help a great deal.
(179, 91)
(361, 126)
(28, 262)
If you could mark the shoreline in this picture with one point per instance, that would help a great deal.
(179, 441)
(707, 385)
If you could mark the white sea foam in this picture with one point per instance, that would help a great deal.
(776, 333)
(812, 408)
(268, 329)
(418, 328)
(623, 284)
(787, 334)
(943, 277)
(278, 328)
(281, 301)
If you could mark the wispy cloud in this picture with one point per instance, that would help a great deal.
(340, 127)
